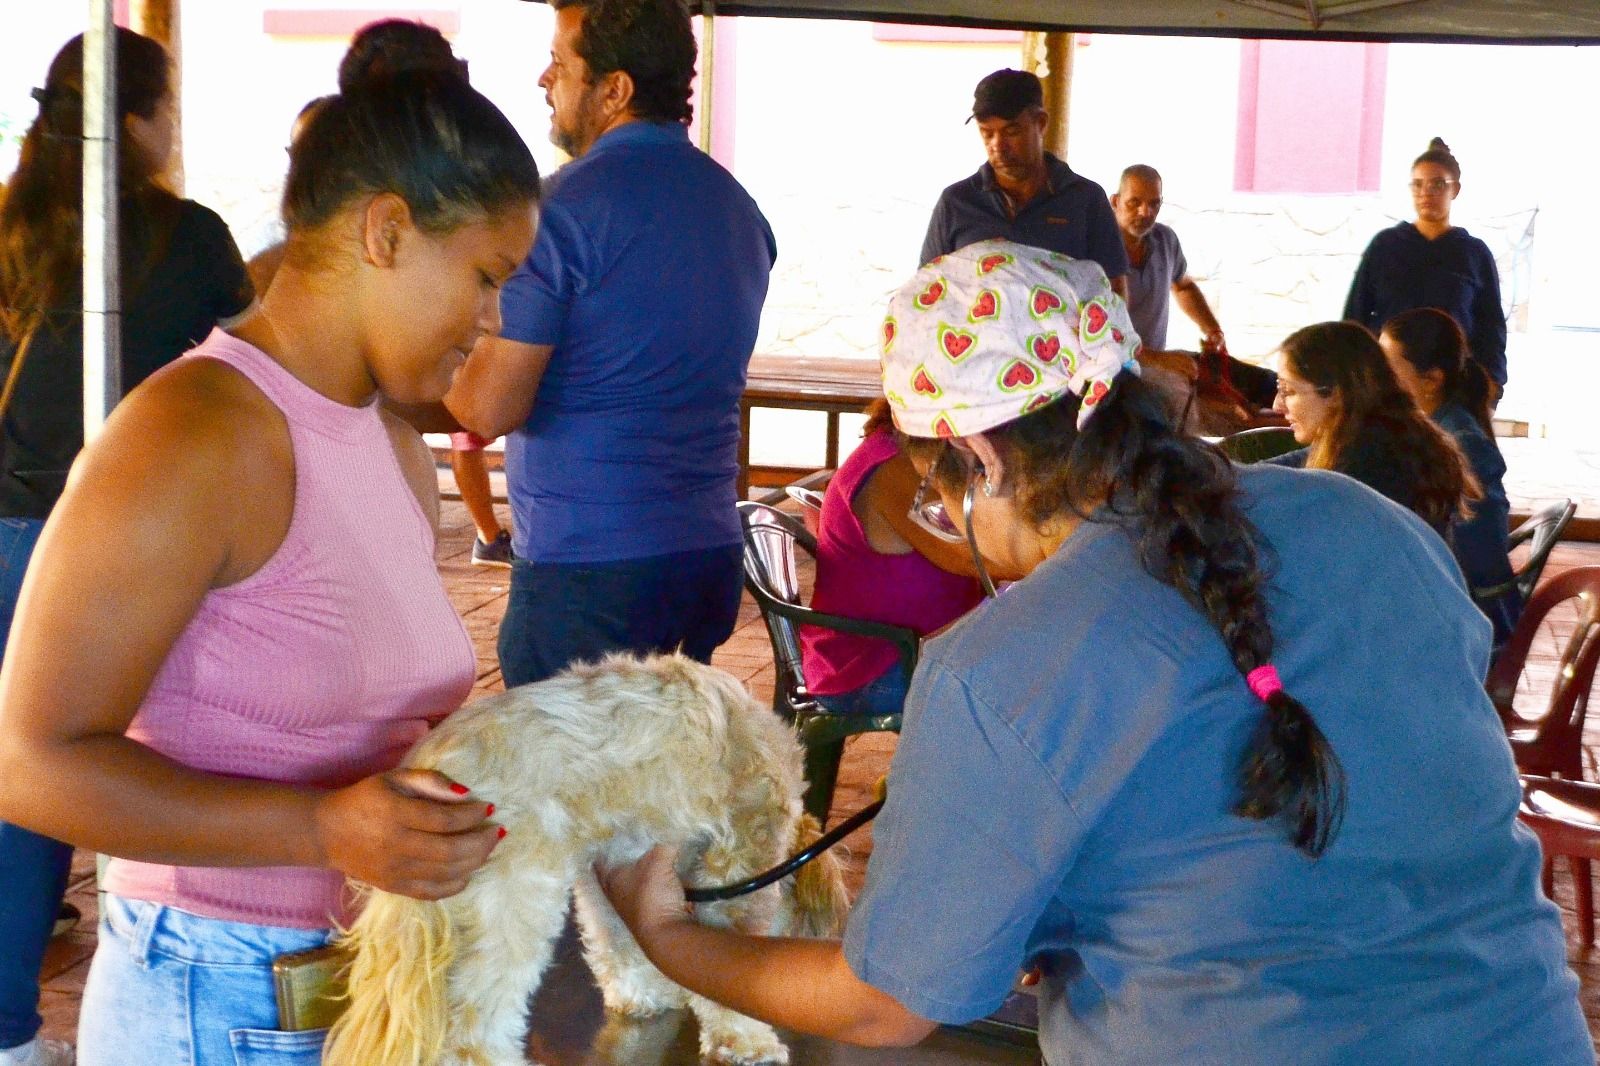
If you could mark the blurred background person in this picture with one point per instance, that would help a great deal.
(1432, 263)
(1429, 356)
(876, 562)
(1345, 405)
(1158, 276)
(182, 275)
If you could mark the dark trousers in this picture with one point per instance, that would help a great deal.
(562, 613)
(33, 869)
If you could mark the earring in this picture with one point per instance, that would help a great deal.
(988, 487)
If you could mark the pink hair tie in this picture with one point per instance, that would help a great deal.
(1264, 681)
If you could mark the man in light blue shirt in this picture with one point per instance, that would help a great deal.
(621, 359)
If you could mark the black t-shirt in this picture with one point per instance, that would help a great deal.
(197, 280)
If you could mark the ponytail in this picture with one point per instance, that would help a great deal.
(1429, 339)
(1474, 390)
(1183, 499)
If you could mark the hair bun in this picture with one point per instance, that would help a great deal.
(1438, 145)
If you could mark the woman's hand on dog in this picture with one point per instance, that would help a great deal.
(411, 832)
(647, 893)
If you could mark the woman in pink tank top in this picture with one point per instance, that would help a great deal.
(875, 563)
(233, 627)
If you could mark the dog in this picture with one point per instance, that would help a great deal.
(596, 764)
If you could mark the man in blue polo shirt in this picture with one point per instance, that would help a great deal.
(621, 359)
(1024, 193)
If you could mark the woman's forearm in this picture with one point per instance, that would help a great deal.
(116, 796)
(801, 985)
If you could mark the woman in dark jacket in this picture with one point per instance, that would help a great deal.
(1344, 404)
(1429, 356)
(1430, 263)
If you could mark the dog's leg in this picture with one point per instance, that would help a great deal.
(507, 936)
(629, 982)
(728, 1038)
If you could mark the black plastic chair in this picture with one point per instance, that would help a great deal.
(1254, 445)
(1540, 532)
(770, 537)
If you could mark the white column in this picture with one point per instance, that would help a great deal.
(102, 303)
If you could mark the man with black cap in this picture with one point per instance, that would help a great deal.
(1024, 193)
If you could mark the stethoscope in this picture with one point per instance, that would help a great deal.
(870, 811)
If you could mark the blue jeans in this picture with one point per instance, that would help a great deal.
(170, 988)
(33, 869)
(562, 613)
(884, 695)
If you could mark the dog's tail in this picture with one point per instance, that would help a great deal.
(397, 1013)
(818, 900)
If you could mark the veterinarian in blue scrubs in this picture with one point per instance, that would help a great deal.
(1220, 768)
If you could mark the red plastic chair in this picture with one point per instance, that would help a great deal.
(1565, 815)
(1552, 744)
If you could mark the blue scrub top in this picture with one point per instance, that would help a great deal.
(1062, 794)
(647, 277)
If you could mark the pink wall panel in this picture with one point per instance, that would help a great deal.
(1310, 117)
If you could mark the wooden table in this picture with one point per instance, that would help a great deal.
(834, 386)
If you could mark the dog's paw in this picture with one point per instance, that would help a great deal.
(743, 1049)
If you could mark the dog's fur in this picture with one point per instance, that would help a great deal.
(598, 763)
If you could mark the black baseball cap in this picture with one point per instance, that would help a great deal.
(1006, 94)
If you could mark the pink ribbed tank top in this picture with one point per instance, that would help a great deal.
(321, 668)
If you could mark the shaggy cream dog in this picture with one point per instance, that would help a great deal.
(598, 763)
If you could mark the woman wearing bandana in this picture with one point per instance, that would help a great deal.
(1220, 768)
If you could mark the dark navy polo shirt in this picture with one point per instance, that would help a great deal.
(1072, 216)
(647, 278)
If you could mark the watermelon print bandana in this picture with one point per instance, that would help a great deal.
(995, 330)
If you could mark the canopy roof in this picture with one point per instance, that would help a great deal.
(1509, 21)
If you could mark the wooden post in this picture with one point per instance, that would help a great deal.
(1050, 56)
(161, 21)
(708, 52)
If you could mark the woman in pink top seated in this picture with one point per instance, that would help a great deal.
(233, 627)
(875, 562)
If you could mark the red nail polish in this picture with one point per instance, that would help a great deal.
(500, 834)
(489, 810)
(459, 789)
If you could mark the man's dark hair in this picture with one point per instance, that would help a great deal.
(650, 41)
(394, 46)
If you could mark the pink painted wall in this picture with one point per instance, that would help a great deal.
(1310, 117)
(724, 98)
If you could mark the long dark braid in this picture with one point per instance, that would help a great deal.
(1179, 498)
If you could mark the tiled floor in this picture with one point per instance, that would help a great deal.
(479, 594)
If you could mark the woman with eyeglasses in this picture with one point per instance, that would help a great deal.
(1431, 263)
(1345, 405)
(881, 558)
(1220, 767)
(1429, 356)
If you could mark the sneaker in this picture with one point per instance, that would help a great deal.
(39, 1051)
(495, 554)
(67, 919)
